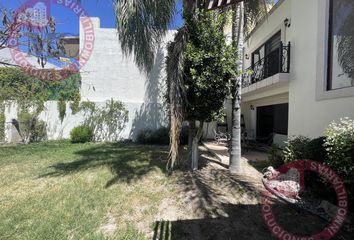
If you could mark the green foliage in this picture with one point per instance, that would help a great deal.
(81, 134)
(147, 19)
(159, 136)
(316, 150)
(339, 144)
(18, 86)
(30, 92)
(209, 65)
(296, 148)
(301, 148)
(275, 156)
(75, 104)
(107, 122)
(62, 109)
(31, 128)
(2, 122)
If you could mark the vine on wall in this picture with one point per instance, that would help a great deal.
(106, 122)
(2, 122)
(30, 93)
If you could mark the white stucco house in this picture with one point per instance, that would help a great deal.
(110, 75)
(298, 84)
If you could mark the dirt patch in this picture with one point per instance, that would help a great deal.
(109, 227)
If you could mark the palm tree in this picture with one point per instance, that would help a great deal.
(141, 25)
(244, 17)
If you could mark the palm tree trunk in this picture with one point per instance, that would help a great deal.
(235, 153)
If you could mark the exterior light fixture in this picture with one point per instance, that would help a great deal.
(247, 56)
(252, 107)
(287, 22)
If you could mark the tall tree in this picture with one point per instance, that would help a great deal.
(141, 24)
(208, 66)
(245, 14)
(236, 131)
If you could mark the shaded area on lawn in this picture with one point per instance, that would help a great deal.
(226, 206)
(241, 222)
(127, 162)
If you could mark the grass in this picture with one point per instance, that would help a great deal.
(59, 190)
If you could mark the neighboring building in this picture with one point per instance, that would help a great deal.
(301, 59)
(71, 46)
(108, 75)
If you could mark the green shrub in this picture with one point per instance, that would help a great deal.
(39, 132)
(296, 148)
(158, 137)
(31, 128)
(81, 134)
(339, 144)
(275, 156)
(107, 122)
(316, 150)
(143, 136)
(2, 122)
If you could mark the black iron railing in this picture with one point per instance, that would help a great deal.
(275, 62)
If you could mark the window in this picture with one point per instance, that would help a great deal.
(271, 46)
(341, 45)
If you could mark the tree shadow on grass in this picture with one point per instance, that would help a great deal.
(241, 221)
(227, 206)
(127, 162)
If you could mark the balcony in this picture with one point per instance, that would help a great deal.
(271, 69)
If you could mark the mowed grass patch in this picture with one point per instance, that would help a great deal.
(59, 190)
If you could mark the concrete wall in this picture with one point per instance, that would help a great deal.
(110, 75)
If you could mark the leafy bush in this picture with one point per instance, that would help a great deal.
(144, 136)
(304, 148)
(275, 156)
(62, 109)
(30, 128)
(339, 144)
(106, 122)
(39, 132)
(81, 134)
(2, 122)
(296, 148)
(316, 150)
(159, 136)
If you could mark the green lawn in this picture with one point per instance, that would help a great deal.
(59, 190)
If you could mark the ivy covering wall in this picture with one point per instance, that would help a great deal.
(18, 86)
(29, 92)
(2, 122)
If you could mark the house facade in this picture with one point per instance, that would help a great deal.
(299, 69)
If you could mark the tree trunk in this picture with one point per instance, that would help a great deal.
(235, 153)
(195, 144)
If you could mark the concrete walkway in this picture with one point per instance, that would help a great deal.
(221, 152)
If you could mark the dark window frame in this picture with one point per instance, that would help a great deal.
(330, 48)
(265, 47)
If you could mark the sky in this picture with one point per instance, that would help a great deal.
(68, 22)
